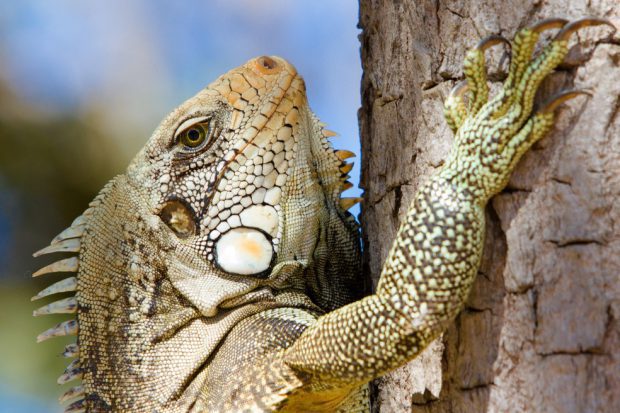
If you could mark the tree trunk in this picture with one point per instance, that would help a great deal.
(540, 331)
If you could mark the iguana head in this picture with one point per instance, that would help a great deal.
(229, 209)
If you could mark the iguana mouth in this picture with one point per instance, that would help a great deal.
(68, 241)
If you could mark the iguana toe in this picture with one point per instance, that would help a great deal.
(454, 106)
(474, 68)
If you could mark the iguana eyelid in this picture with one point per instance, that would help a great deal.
(187, 123)
(212, 133)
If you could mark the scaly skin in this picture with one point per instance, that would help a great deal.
(167, 321)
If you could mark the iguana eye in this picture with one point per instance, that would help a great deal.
(196, 134)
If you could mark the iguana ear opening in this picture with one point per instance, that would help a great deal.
(179, 218)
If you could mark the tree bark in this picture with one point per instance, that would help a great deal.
(541, 330)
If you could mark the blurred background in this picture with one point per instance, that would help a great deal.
(83, 85)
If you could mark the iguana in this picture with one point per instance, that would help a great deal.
(221, 272)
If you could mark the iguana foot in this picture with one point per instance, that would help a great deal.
(492, 135)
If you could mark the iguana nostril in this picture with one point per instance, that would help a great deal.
(267, 62)
(179, 218)
(266, 65)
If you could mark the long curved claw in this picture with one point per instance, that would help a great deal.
(548, 24)
(491, 41)
(562, 97)
(459, 89)
(572, 27)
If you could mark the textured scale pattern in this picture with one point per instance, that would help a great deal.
(221, 272)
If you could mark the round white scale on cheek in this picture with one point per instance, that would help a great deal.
(244, 251)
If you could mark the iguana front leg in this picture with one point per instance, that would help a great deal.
(437, 252)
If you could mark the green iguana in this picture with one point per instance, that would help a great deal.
(221, 272)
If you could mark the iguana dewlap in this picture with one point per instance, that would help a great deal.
(221, 272)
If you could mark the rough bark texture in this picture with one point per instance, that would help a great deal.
(541, 329)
